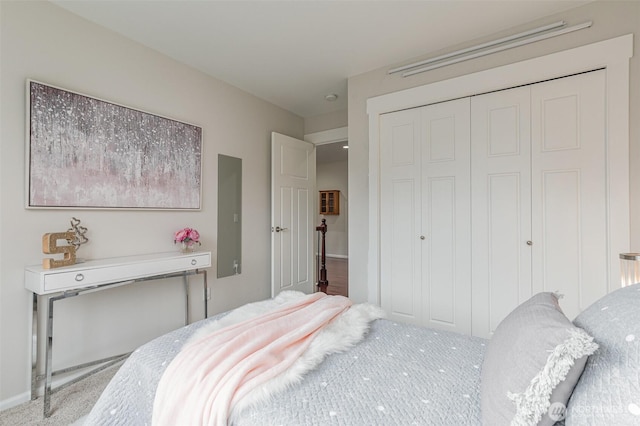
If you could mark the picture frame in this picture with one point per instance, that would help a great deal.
(87, 153)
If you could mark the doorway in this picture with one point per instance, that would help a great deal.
(332, 175)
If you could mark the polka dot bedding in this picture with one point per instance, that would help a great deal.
(399, 374)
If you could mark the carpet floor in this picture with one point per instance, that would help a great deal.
(67, 405)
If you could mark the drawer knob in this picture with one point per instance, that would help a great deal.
(79, 277)
(193, 261)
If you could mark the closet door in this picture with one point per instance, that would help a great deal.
(569, 188)
(446, 216)
(400, 269)
(425, 216)
(501, 205)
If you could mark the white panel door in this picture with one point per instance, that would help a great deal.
(425, 214)
(570, 245)
(501, 205)
(293, 181)
(446, 216)
(400, 269)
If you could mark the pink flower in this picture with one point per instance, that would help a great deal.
(182, 235)
(187, 235)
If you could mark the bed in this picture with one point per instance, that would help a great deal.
(409, 375)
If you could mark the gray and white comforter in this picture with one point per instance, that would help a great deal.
(399, 374)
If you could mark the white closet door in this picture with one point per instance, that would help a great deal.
(501, 205)
(570, 253)
(400, 269)
(425, 215)
(446, 216)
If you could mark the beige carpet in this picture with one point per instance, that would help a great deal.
(67, 405)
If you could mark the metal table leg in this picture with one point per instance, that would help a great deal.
(48, 357)
(186, 299)
(34, 349)
(107, 362)
(206, 288)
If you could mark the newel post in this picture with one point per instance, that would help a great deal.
(322, 276)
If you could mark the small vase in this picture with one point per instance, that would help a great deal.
(187, 247)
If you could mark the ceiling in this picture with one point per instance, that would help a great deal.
(294, 53)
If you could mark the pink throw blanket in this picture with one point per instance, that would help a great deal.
(210, 375)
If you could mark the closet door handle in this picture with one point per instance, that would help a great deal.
(422, 237)
(529, 243)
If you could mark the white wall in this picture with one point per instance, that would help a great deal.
(329, 121)
(46, 43)
(330, 176)
(611, 19)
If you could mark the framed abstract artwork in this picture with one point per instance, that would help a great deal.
(88, 153)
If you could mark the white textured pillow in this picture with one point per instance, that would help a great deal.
(533, 360)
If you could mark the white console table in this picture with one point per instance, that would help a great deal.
(96, 275)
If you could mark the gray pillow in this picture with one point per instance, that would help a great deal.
(608, 393)
(532, 364)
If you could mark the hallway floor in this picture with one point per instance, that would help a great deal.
(338, 276)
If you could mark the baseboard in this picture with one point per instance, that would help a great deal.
(5, 404)
(55, 382)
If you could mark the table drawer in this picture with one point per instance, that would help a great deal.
(92, 274)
